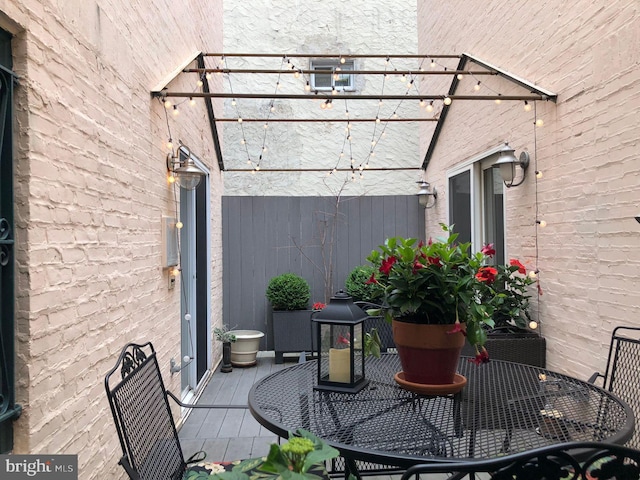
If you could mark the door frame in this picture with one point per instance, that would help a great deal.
(195, 214)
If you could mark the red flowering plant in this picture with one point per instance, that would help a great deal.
(509, 295)
(440, 282)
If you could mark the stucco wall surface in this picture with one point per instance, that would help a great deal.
(292, 27)
(587, 150)
(90, 190)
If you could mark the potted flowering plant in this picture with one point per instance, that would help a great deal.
(438, 284)
(511, 339)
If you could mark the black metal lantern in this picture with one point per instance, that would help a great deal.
(339, 333)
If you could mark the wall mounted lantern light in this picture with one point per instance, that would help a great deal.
(186, 174)
(507, 164)
(424, 192)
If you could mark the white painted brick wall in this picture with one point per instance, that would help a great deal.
(588, 53)
(90, 193)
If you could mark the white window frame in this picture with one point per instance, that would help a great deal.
(476, 166)
(331, 67)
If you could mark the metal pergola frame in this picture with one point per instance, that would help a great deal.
(534, 92)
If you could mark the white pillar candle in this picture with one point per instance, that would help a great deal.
(340, 365)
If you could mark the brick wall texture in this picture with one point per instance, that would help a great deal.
(90, 190)
(588, 53)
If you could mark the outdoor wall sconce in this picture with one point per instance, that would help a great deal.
(507, 164)
(339, 330)
(424, 192)
(185, 172)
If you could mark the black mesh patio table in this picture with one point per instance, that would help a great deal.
(504, 408)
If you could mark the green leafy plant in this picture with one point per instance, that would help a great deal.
(509, 295)
(303, 457)
(224, 335)
(439, 282)
(372, 343)
(357, 286)
(288, 291)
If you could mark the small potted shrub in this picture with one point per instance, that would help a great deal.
(289, 295)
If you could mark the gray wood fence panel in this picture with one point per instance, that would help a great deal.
(266, 236)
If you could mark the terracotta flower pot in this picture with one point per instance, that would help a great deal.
(428, 354)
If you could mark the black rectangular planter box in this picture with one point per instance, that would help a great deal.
(527, 348)
(291, 332)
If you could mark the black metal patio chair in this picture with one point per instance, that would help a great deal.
(566, 461)
(140, 406)
(622, 374)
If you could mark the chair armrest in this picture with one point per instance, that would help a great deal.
(193, 405)
(594, 377)
(124, 461)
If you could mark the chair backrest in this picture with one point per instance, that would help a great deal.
(146, 429)
(570, 461)
(622, 376)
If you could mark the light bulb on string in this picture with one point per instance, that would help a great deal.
(266, 125)
(179, 225)
(433, 64)
(175, 111)
(208, 76)
(542, 223)
(527, 106)
(447, 100)
(307, 87)
(242, 141)
(343, 60)
(377, 119)
(533, 324)
(498, 100)
(239, 119)
(538, 174)
(171, 178)
(192, 101)
(200, 82)
(403, 78)
(170, 144)
(476, 87)
(168, 104)
(233, 102)
(533, 273)
(296, 74)
(421, 103)
(429, 107)
(539, 122)
(460, 76)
